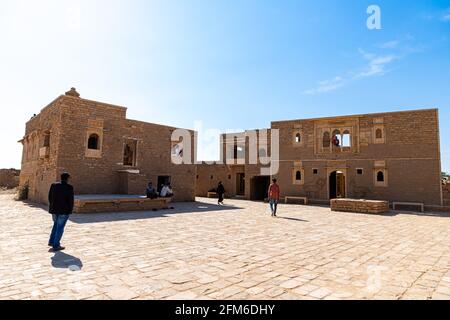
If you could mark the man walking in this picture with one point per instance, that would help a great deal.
(220, 193)
(60, 199)
(274, 197)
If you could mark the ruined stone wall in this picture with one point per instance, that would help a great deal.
(39, 163)
(9, 178)
(446, 193)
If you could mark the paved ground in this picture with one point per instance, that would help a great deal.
(201, 251)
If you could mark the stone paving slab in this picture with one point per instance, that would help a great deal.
(202, 251)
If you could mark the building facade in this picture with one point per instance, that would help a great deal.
(105, 152)
(388, 156)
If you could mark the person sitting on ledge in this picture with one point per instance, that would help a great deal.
(166, 191)
(151, 191)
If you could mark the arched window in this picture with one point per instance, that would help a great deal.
(379, 134)
(298, 138)
(337, 140)
(298, 176)
(380, 176)
(93, 142)
(326, 140)
(346, 139)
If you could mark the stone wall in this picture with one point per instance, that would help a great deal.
(408, 154)
(209, 176)
(406, 151)
(120, 205)
(359, 206)
(9, 178)
(446, 193)
(40, 170)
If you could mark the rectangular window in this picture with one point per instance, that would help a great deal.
(315, 171)
(359, 171)
(129, 153)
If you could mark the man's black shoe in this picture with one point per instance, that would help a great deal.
(57, 249)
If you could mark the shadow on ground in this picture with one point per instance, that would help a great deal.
(178, 208)
(63, 260)
(35, 205)
(423, 214)
(292, 219)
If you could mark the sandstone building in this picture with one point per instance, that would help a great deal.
(388, 156)
(105, 152)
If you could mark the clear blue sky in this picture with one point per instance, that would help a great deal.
(230, 64)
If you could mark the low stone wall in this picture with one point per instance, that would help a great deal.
(9, 178)
(119, 205)
(132, 183)
(359, 206)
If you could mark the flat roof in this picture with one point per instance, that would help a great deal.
(356, 115)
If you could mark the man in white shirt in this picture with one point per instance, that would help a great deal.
(166, 191)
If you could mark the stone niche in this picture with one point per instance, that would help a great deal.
(94, 139)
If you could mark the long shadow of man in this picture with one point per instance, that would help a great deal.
(65, 261)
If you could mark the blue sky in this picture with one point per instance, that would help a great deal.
(229, 64)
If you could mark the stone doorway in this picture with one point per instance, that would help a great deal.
(337, 185)
(259, 188)
(162, 181)
(240, 184)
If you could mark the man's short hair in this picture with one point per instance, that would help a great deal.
(274, 180)
(65, 176)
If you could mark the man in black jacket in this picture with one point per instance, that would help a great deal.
(60, 199)
(220, 192)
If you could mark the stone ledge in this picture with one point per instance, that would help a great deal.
(118, 203)
(360, 206)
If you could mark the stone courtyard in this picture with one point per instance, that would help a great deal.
(202, 251)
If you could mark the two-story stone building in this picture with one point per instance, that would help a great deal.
(105, 152)
(388, 156)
